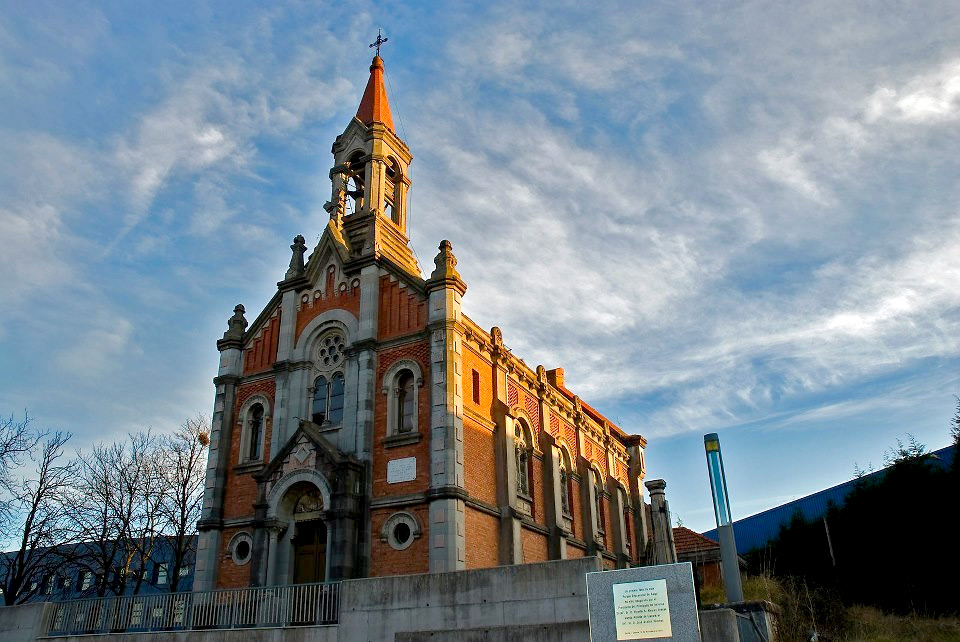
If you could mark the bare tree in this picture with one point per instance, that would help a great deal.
(96, 521)
(42, 505)
(17, 441)
(183, 466)
(119, 510)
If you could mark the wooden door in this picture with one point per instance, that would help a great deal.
(309, 552)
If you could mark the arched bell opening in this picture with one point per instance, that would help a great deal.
(356, 180)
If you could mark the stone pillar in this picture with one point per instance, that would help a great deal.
(552, 490)
(295, 280)
(591, 519)
(664, 551)
(356, 434)
(210, 525)
(511, 549)
(637, 472)
(445, 290)
(617, 507)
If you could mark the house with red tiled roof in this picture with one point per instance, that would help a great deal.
(702, 552)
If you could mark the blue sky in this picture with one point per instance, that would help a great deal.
(734, 218)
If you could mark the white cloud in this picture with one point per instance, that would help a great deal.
(932, 97)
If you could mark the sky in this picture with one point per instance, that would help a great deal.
(738, 218)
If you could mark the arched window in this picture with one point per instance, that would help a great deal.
(356, 178)
(252, 426)
(522, 459)
(256, 431)
(598, 500)
(406, 402)
(328, 400)
(401, 385)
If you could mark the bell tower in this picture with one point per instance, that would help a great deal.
(370, 180)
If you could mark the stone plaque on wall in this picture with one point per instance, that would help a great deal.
(645, 603)
(401, 470)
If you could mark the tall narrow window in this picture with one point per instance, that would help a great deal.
(256, 431)
(406, 402)
(476, 387)
(390, 208)
(598, 500)
(564, 487)
(522, 458)
(336, 398)
(319, 400)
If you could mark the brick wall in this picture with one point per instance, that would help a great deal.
(230, 575)
(385, 560)
(240, 490)
(402, 310)
(261, 351)
(316, 302)
(479, 462)
(534, 546)
(482, 538)
(419, 352)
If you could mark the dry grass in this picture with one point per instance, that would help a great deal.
(867, 624)
(804, 608)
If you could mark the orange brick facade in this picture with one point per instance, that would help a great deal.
(397, 435)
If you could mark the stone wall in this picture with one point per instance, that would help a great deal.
(505, 596)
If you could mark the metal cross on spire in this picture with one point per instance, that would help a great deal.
(379, 41)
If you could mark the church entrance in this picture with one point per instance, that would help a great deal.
(309, 552)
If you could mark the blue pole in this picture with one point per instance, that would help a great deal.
(730, 562)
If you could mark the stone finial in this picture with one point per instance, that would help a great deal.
(446, 263)
(237, 324)
(445, 274)
(299, 247)
(496, 336)
(541, 378)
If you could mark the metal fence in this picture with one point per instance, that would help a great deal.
(270, 606)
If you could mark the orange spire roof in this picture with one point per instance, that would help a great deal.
(374, 106)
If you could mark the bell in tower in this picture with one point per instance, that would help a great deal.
(370, 180)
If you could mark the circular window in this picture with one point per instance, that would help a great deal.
(330, 352)
(243, 550)
(241, 547)
(400, 530)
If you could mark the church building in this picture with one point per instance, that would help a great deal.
(364, 426)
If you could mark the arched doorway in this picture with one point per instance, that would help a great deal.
(307, 533)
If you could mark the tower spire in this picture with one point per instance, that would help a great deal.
(374, 106)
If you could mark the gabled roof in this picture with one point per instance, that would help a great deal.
(374, 106)
(687, 541)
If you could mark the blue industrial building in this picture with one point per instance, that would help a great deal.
(757, 530)
(75, 579)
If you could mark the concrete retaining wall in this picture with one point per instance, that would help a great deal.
(375, 609)
(719, 625)
(23, 623)
(568, 632)
(291, 634)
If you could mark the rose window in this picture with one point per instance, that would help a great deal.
(330, 352)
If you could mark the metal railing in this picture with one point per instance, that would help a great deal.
(268, 606)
